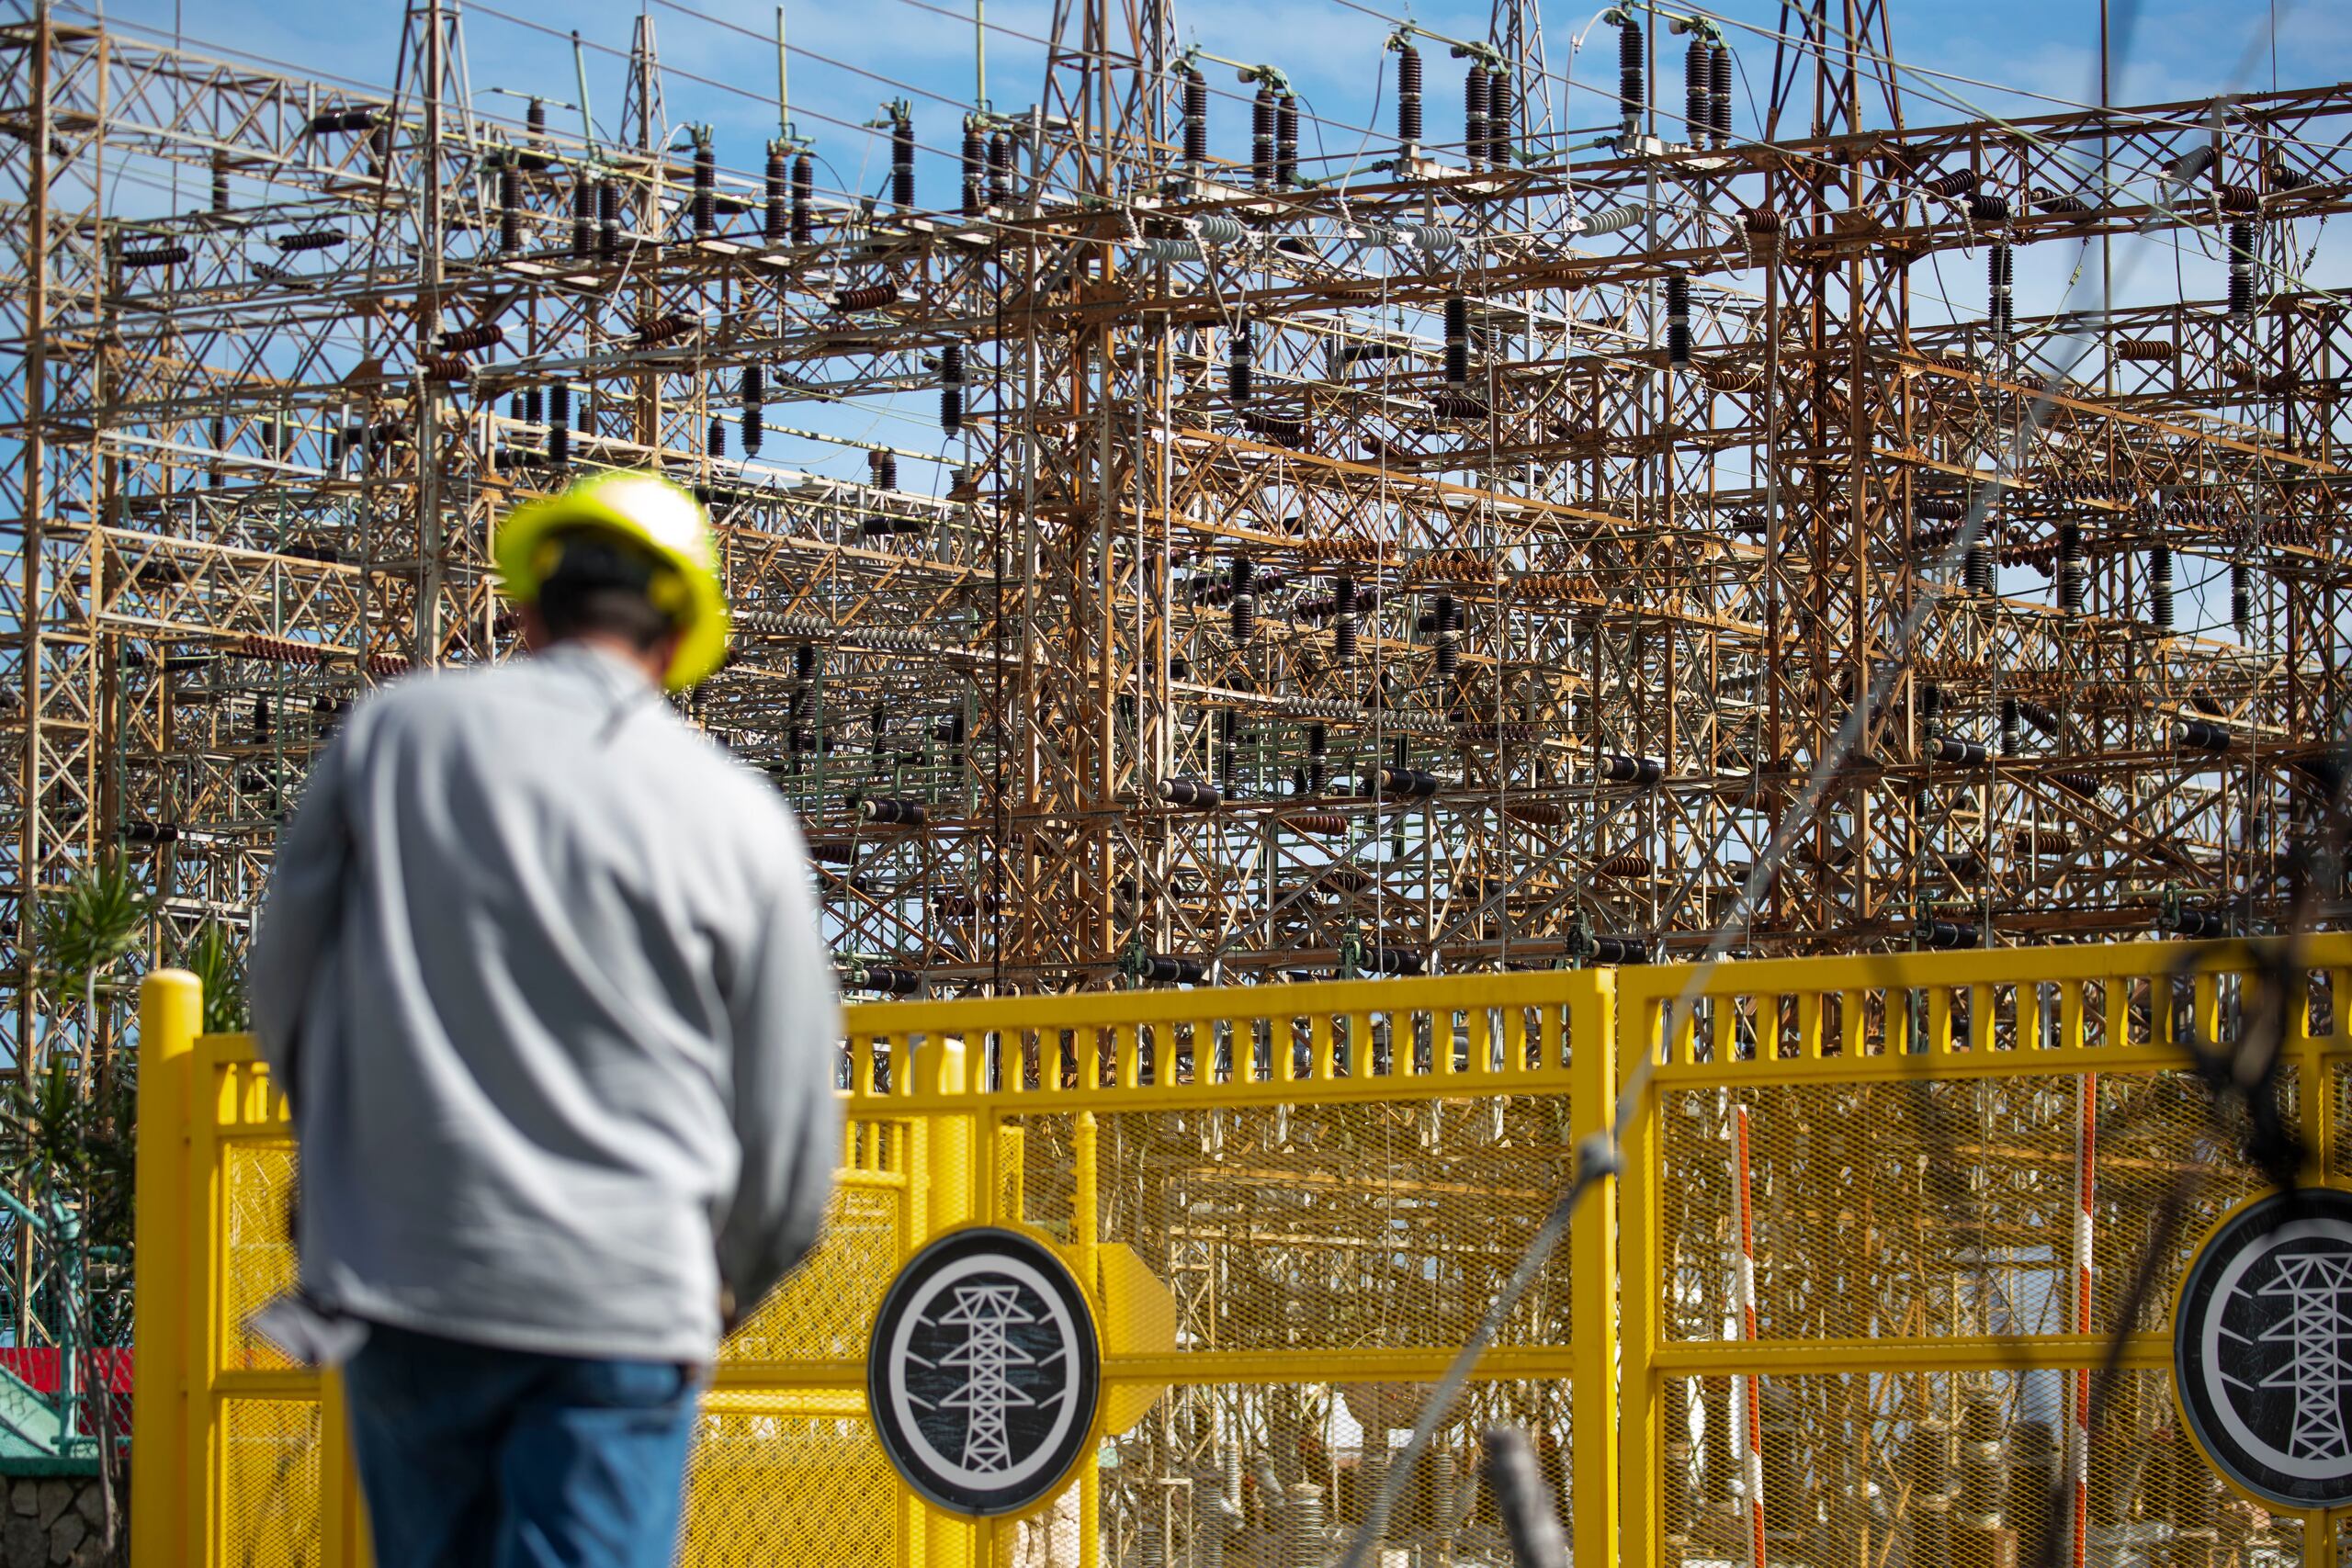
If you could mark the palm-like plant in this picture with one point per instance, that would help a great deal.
(214, 963)
(82, 932)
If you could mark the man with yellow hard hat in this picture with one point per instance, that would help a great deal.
(540, 974)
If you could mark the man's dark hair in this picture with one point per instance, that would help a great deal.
(602, 584)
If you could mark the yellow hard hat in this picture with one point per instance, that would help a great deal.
(656, 515)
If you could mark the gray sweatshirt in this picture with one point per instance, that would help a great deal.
(540, 971)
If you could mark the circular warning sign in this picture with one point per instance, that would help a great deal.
(2262, 1348)
(982, 1371)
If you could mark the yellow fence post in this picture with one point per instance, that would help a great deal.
(170, 1015)
(1637, 1431)
(1592, 1277)
(1085, 1216)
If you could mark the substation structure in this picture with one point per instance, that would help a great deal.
(1455, 559)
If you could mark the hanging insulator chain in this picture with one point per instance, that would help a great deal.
(1262, 138)
(951, 388)
(1476, 97)
(1633, 90)
(1409, 99)
(975, 172)
(804, 199)
(1457, 339)
(902, 158)
(1678, 317)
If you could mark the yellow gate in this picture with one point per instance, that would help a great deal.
(1872, 1211)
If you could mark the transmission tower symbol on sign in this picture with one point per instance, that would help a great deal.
(2262, 1348)
(987, 1313)
(982, 1371)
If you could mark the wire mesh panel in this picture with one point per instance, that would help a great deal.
(1340, 1226)
(768, 1488)
(270, 1479)
(257, 1256)
(1889, 1469)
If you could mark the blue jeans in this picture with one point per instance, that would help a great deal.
(478, 1458)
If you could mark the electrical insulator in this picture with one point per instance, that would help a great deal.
(2240, 596)
(1720, 95)
(1399, 783)
(1447, 644)
(1998, 271)
(903, 160)
(1318, 766)
(2160, 587)
(1244, 605)
(705, 195)
(535, 133)
(2200, 735)
(1501, 106)
(219, 189)
(774, 221)
(583, 217)
(2071, 577)
(1196, 119)
(559, 424)
(882, 464)
(1228, 754)
(608, 219)
(951, 388)
(1191, 795)
(1262, 138)
(1343, 621)
(1613, 768)
(1160, 969)
(1239, 359)
(510, 209)
(1286, 141)
(1632, 92)
(2008, 727)
(753, 391)
(1959, 752)
(2242, 270)
(804, 199)
(1409, 96)
(1698, 85)
(975, 169)
(1976, 571)
(886, 811)
(1457, 339)
(1474, 101)
(1618, 950)
(715, 445)
(2197, 925)
(1000, 168)
(1678, 317)
(466, 340)
(887, 978)
(1944, 936)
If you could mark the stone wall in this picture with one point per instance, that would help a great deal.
(58, 1521)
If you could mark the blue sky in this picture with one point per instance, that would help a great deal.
(721, 70)
(851, 56)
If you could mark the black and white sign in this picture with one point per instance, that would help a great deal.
(2262, 1348)
(982, 1372)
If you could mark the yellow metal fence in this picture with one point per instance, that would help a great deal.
(1936, 1176)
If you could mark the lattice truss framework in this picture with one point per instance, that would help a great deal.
(1608, 608)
